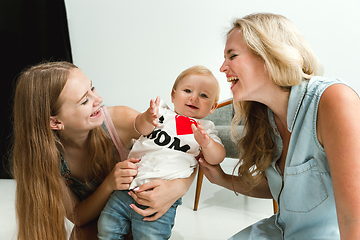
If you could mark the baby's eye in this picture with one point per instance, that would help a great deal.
(203, 95)
(93, 88)
(187, 90)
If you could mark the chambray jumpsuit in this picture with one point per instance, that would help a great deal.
(304, 192)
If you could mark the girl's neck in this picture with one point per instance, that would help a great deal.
(74, 140)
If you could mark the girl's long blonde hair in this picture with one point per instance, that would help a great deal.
(289, 60)
(36, 158)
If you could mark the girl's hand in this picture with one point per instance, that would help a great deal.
(200, 135)
(123, 174)
(157, 196)
(118, 179)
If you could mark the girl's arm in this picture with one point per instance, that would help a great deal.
(161, 198)
(81, 213)
(338, 127)
(130, 124)
(123, 119)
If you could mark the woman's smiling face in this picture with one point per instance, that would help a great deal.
(244, 70)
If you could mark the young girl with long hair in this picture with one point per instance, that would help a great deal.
(70, 154)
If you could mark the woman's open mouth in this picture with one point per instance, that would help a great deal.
(232, 80)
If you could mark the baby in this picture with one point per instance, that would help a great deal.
(168, 147)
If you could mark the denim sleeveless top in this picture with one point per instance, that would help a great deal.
(81, 189)
(304, 192)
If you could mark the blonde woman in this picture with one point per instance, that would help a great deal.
(302, 134)
(70, 154)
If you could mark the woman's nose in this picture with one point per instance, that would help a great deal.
(224, 67)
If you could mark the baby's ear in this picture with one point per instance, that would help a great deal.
(55, 124)
(172, 95)
(214, 106)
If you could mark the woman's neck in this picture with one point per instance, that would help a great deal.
(278, 103)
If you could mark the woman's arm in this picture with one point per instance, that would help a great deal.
(338, 128)
(216, 175)
(163, 195)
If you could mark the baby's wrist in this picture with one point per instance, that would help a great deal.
(148, 117)
(206, 145)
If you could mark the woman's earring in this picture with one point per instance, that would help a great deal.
(62, 127)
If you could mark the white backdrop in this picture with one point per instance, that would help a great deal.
(134, 50)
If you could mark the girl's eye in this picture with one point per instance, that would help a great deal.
(93, 88)
(203, 95)
(187, 90)
(85, 102)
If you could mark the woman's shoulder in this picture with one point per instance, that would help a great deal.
(338, 107)
(320, 84)
(339, 95)
(337, 98)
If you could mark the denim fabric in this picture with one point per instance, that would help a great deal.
(304, 192)
(117, 219)
(262, 230)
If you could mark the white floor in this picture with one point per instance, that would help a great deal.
(7, 210)
(220, 213)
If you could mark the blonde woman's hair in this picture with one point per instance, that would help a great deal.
(289, 60)
(36, 158)
(197, 70)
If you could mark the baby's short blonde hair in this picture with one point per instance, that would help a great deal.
(197, 70)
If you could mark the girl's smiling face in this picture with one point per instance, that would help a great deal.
(81, 104)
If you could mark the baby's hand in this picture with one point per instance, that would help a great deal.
(154, 111)
(200, 135)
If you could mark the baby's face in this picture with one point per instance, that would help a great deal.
(195, 95)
